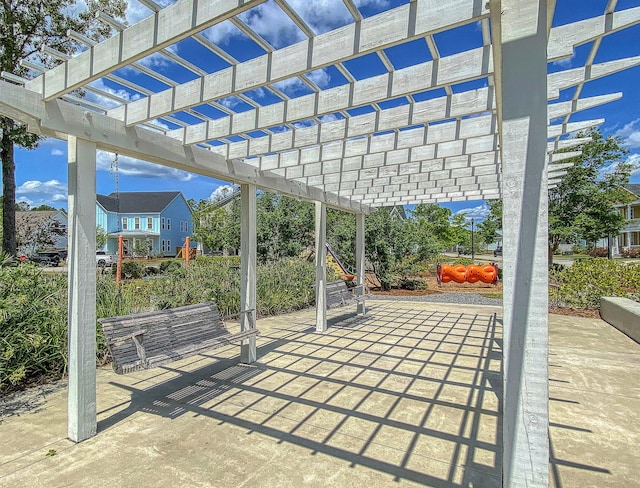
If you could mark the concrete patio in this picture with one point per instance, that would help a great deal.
(409, 395)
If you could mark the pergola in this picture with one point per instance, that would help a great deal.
(499, 139)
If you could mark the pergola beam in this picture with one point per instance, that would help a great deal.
(381, 31)
(458, 138)
(59, 119)
(457, 68)
(160, 30)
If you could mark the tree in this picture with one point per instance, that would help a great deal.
(35, 234)
(388, 239)
(582, 205)
(208, 223)
(43, 207)
(489, 229)
(285, 226)
(101, 237)
(25, 27)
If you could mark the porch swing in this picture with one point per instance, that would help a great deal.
(151, 339)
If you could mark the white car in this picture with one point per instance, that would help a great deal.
(104, 259)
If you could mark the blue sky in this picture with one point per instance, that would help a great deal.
(41, 175)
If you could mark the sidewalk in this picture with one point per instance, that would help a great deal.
(408, 396)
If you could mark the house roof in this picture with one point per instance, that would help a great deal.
(137, 201)
(633, 188)
(36, 217)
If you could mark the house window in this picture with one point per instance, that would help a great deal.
(136, 223)
(168, 245)
(149, 223)
(162, 223)
(186, 227)
(125, 223)
(168, 223)
(163, 248)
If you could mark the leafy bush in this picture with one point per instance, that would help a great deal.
(630, 253)
(599, 252)
(582, 284)
(170, 264)
(412, 283)
(33, 325)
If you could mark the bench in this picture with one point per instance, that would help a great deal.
(623, 314)
(339, 294)
(151, 339)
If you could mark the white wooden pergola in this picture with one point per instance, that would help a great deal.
(496, 141)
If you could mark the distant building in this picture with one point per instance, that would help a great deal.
(39, 230)
(151, 223)
(629, 237)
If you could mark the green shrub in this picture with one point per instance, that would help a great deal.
(33, 325)
(412, 283)
(170, 264)
(585, 282)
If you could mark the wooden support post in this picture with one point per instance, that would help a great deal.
(360, 270)
(521, 68)
(248, 256)
(187, 246)
(119, 264)
(321, 267)
(82, 289)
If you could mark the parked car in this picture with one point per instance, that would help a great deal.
(104, 259)
(497, 252)
(46, 258)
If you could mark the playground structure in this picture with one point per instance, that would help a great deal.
(486, 273)
(333, 262)
(347, 274)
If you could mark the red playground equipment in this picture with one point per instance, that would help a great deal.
(487, 273)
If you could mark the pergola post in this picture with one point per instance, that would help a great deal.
(360, 260)
(522, 85)
(248, 270)
(321, 267)
(82, 289)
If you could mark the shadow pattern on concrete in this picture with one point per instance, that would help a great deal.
(412, 393)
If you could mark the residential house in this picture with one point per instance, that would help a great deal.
(151, 223)
(38, 230)
(629, 237)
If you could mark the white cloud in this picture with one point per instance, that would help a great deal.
(633, 159)
(478, 213)
(565, 62)
(35, 187)
(221, 192)
(137, 11)
(279, 30)
(291, 86)
(106, 102)
(57, 152)
(630, 133)
(320, 77)
(36, 193)
(142, 169)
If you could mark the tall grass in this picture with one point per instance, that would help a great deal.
(33, 306)
(33, 325)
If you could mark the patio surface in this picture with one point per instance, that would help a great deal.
(409, 395)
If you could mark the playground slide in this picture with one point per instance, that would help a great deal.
(347, 275)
